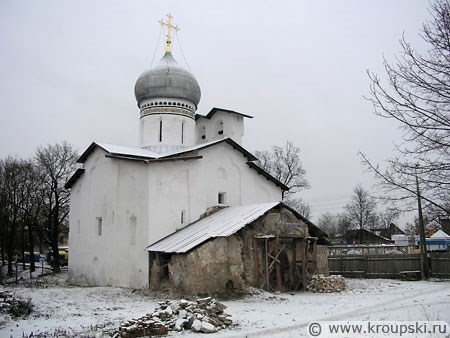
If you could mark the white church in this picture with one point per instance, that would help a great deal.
(124, 199)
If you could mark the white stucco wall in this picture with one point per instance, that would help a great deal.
(141, 203)
(116, 191)
(192, 186)
(233, 127)
(149, 130)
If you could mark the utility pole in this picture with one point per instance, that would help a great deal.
(424, 266)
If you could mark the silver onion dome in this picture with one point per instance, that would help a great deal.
(167, 79)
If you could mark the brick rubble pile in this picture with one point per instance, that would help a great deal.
(326, 284)
(205, 315)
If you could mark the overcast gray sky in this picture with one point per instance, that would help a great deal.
(68, 69)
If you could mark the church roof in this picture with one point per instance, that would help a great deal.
(114, 149)
(230, 141)
(140, 154)
(215, 110)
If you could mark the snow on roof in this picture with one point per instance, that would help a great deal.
(193, 148)
(115, 149)
(228, 140)
(119, 150)
(440, 234)
(144, 154)
(220, 224)
(124, 150)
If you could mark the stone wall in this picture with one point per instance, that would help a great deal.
(322, 260)
(202, 270)
(230, 264)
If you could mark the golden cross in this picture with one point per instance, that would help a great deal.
(169, 26)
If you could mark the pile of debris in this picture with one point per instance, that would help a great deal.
(326, 284)
(13, 305)
(205, 315)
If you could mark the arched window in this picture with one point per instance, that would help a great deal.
(221, 173)
(160, 130)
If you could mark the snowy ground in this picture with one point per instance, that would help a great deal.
(84, 311)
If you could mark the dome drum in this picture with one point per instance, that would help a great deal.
(167, 110)
(164, 102)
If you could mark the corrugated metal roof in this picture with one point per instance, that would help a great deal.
(220, 224)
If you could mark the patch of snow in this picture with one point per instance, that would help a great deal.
(89, 310)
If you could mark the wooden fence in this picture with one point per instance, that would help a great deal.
(387, 266)
(440, 265)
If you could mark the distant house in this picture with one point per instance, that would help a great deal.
(389, 231)
(372, 236)
(364, 236)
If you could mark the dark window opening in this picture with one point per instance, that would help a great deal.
(221, 198)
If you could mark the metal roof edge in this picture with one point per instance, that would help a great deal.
(76, 175)
(87, 152)
(228, 140)
(215, 110)
(267, 175)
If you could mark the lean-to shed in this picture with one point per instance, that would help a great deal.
(268, 246)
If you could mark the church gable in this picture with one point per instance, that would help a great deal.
(220, 123)
(249, 158)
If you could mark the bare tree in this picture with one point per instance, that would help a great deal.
(285, 165)
(14, 174)
(388, 216)
(328, 222)
(55, 163)
(361, 211)
(335, 225)
(30, 207)
(298, 205)
(417, 96)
